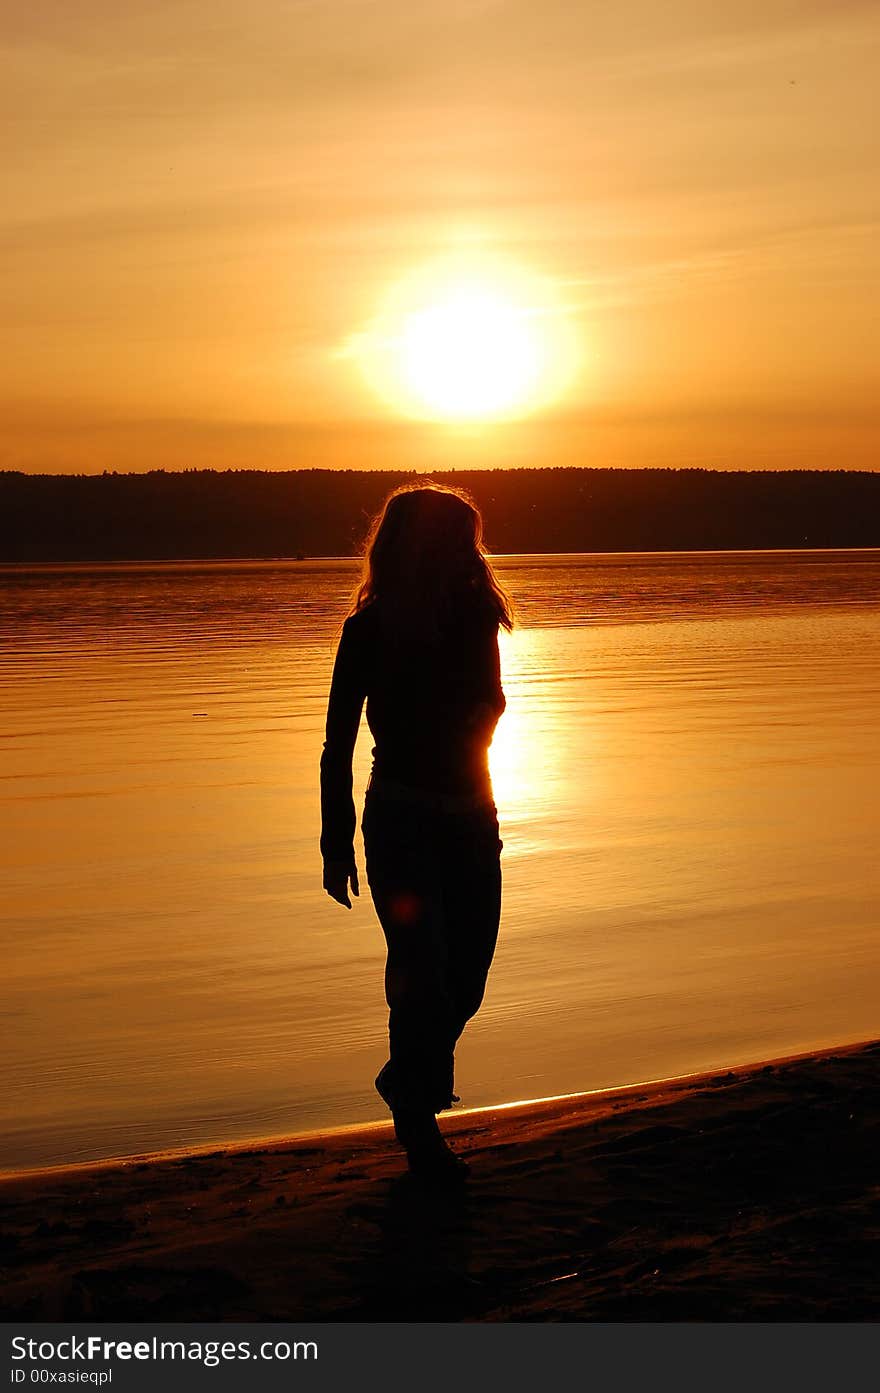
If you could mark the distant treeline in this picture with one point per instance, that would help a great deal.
(325, 512)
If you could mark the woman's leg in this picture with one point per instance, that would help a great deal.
(472, 913)
(435, 882)
(421, 1011)
(406, 876)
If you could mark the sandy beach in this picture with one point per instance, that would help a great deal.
(751, 1194)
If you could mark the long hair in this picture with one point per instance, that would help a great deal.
(424, 563)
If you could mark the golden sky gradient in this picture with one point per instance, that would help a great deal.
(206, 201)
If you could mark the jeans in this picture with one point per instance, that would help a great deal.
(435, 880)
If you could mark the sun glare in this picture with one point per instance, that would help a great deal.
(464, 342)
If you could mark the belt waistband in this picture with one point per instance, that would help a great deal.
(429, 798)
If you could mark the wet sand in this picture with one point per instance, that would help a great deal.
(752, 1195)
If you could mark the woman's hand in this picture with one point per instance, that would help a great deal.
(336, 877)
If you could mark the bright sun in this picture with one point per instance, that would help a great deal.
(465, 341)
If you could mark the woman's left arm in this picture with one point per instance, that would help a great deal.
(487, 692)
(498, 698)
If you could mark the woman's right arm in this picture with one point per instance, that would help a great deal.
(338, 819)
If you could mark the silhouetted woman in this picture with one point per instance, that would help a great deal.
(421, 647)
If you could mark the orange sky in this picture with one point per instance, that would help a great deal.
(206, 200)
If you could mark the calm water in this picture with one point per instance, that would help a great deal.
(686, 776)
